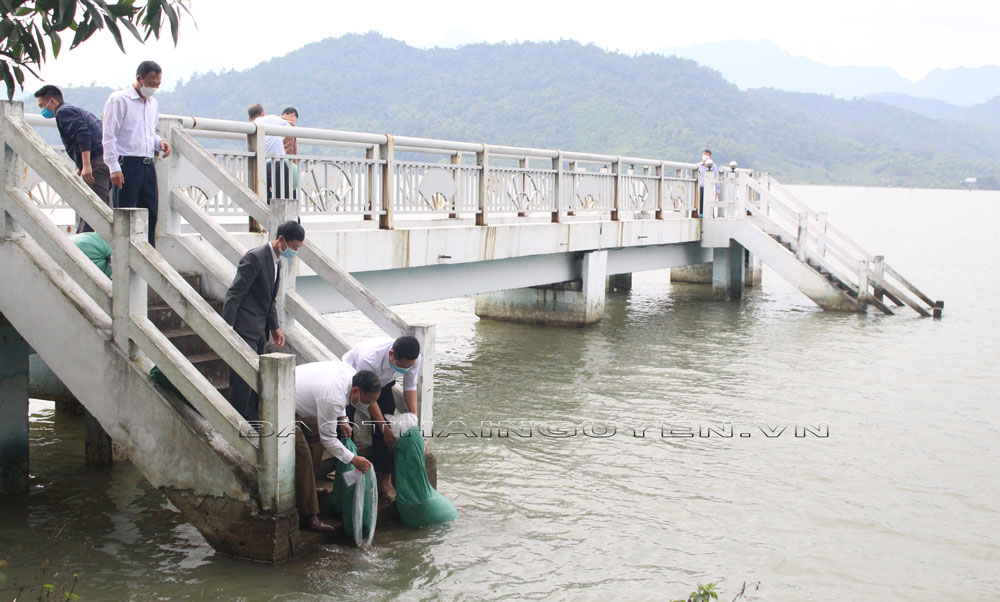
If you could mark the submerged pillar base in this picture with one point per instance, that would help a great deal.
(699, 273)
(575, 303)
(752, 270)
(239, 528)
(619, 283)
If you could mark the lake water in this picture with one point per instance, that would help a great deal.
(899, 501)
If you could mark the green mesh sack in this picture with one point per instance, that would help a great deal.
(357, 504)
(96, 249)
(419, 504)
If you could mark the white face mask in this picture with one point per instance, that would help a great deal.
(705, 158)
(147, 91)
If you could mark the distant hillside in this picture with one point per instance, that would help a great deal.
(761, 64)
(987, 113)
(566, 95)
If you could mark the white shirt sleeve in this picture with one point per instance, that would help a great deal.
(114, 113)
(410, 378)
(328, 412)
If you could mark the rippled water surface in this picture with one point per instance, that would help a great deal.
(898, 502)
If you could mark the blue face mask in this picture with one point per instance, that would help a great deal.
(48, 113)
(400, 370)
(289, 254)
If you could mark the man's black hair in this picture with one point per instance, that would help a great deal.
(291, 231)
(49, 91)
(255, 110)
(406, 348)
(291, 111)
(366, 381)
(147, 67)
(707, 151)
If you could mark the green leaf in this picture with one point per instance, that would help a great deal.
(114, 32)
(174, 21)
(131, 27)
(56, 43)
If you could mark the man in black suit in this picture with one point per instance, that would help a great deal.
(250, 305)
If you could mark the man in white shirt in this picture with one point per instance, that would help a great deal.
(274, 149)
(322, 392)
(388, 359)
(130, 143)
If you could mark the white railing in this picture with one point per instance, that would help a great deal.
(471, 180)
(814, 240)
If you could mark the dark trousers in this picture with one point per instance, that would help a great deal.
(282, 188)
(308, 454)
(701, 201)
(241, 396)
(139, 190)
(381, 459)
(101, 185)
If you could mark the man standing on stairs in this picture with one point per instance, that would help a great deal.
(706, 168)
(81, 136)
(322, 392)
(130, 143)
(388, 359)
(250, 305)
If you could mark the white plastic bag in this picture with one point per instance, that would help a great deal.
(359, 508)
(400, 423)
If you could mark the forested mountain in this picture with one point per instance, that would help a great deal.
(987, 113)
(574, 97)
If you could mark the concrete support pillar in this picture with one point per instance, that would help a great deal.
(619, 282)
(574, 303)
(699, 273)
(752, 270)
(727, 272)
(98, 445)
(14, 352)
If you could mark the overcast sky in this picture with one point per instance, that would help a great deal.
(912, 36)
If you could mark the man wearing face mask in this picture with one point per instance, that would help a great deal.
(388, 359)
(81, 137)
(130, 142)
(250, 305)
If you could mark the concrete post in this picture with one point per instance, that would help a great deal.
(10, 168)
(371, 154)
(483, 162)
(388, 153)
(661, 190)
(699, 273)
(128, 290)
(456, 174)
(276, 464)
(166, 176)
(727, 272)
(557, 188)
(425, 334)
(616, 170)
(878, 269)
(752, 273)
(256, 166)
(14, 352)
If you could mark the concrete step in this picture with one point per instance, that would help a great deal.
(212, 367)
(187, 342)
(193, 279)
(165, 318)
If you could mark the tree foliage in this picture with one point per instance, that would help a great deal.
(31, 30)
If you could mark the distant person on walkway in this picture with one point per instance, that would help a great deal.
(388, 358)
(274, 150)
(707, 165)
(81, 137)
(291, 116)
(130, 142)
(250, 305)
(322, 392)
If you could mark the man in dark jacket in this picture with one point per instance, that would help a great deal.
(81, 136)
(250, 305)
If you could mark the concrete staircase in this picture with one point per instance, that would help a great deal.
(760, 215)
(101, 336)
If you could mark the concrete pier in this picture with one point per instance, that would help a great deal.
(574, 303)
(619, 283)
(699, 273)
(14, 352)
(727, 271)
